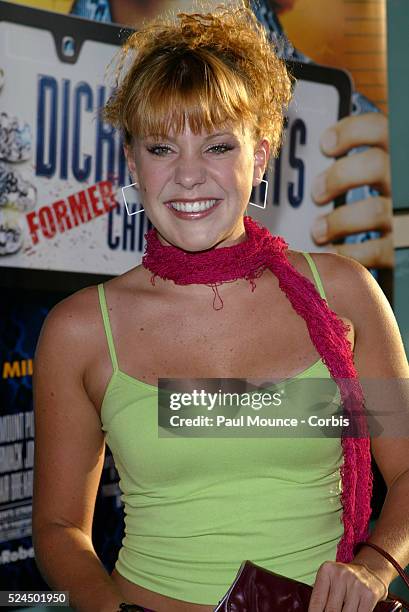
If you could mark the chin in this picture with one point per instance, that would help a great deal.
(190, 241)
(194, 245)
(195, 236)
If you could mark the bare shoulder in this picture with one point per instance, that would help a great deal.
(349, 287)
(73, 328)
(76, 316)
(354, 292)
(331, 266)
(73, 316)
(74, 307)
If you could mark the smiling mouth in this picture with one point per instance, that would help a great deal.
(193, 207)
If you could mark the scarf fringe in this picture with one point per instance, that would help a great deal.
(328, 334)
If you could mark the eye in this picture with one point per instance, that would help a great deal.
(160, 150)
(156, 148)
(226, 147)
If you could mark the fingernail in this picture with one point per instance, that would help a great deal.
(320, 228)
(319, 185)
(329, 140)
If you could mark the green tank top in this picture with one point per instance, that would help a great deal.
(195, 508)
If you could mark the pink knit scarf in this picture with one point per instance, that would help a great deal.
(248, 259)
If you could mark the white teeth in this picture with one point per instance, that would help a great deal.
(193, 206)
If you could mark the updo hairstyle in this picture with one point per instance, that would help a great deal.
(212, 69)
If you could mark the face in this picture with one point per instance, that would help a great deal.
(214, 170)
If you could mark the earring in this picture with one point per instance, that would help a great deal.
(126, 203)
(265, 196)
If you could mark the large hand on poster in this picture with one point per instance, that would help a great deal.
(368, 167)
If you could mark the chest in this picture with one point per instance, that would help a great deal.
(258, 335)
(255, 335)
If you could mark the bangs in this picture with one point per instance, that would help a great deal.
(196, 88)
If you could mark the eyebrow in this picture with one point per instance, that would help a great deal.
(216, 134)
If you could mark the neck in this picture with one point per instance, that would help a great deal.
(244, 259)
(237, 289)
(199, 289)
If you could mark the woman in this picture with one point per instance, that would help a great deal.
(200, 100)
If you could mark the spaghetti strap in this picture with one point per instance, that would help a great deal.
(107, 326)
(316, 276)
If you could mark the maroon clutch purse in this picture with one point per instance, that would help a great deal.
(256, 589)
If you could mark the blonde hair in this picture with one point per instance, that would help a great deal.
(211, 68)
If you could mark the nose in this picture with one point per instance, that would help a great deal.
(190, 173)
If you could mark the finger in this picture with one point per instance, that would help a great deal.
(355, 598)
(370, 167)
(374, 253)
(353, 606)
(366, 603)
(336, 597)
(354, 131)
(320, 592)
(369, 214)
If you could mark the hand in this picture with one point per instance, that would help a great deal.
(348, 587)
(369, 167)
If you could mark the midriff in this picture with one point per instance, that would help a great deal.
(133, 593)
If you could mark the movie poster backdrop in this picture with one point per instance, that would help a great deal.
(63, 224)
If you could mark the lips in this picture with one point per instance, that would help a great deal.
(194, 215)
(204, 199)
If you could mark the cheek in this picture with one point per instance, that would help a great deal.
(245, 172)
(150, 180)
(236, 171)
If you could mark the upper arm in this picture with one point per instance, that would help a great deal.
(69, 441)
(380, 361)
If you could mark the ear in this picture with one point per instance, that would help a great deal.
(130, 158)
(261, 157)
